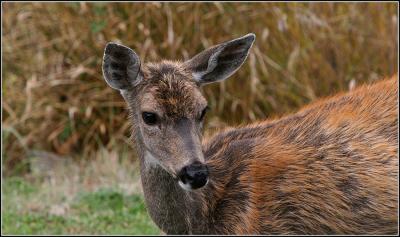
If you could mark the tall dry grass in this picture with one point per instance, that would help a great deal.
(54, 97)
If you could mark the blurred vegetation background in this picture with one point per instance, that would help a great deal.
(55, 100)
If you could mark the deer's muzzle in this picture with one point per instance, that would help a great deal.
(193, 176)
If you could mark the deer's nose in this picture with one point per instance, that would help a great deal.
(194, 176)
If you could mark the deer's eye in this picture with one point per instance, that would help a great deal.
(203, 113)
(150, 118)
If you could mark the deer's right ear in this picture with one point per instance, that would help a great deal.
(220, 61)
(121, 67)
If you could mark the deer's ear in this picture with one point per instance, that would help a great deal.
(121, 67)
(220, 61)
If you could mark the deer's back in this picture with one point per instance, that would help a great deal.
(330, 168)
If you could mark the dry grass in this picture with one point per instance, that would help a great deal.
(59, 185)
(100, 196)
(54, 97)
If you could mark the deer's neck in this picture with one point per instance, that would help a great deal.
(173, 209)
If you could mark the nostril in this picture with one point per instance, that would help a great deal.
(183, 175)
(195, 175)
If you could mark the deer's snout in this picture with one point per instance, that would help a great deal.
(193, 176)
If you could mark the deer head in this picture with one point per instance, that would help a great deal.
(167, 106)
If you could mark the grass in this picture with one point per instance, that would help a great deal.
(105, 211)
(55, 99)
(72, 201)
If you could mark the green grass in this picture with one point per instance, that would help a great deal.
(105, 211)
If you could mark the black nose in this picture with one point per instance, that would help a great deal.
(194, 175)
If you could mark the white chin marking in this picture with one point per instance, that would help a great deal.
(185, 186)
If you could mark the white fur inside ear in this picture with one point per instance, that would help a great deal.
(212, 64)
(198, 75)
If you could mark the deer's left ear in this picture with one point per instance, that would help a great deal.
(220, 61)
(121, 67)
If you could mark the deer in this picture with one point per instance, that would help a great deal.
(329, 168)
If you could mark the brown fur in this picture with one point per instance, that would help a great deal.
(331, 168)
(174, 94)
